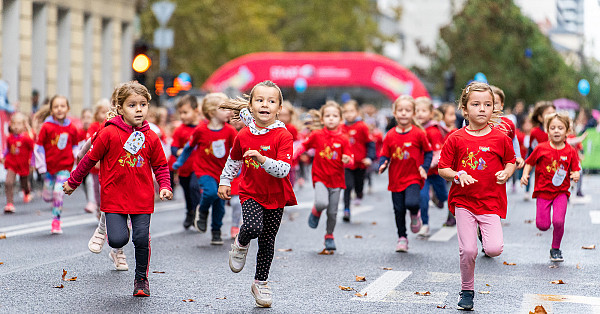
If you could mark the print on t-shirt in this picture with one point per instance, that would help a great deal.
(329, 153)
(472, 161)
(132, 160)
(218, 148)
(401, 153)
(61, 140)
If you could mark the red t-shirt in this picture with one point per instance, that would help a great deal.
(481, 157)
(377, 138)
(406, 152)
(507, 127)
(213, 149)
(537, 136)
(293, 130)
(327, 166)
(257, 184)
(358, 135)
(181, 136)
(58, 142)
(127, 183)
(521, 138)
(436, 140)
(553, 169)
(18, 156)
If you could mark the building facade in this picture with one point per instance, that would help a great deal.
(80, 49)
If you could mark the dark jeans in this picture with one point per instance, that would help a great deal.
(210, 198)
(439, 188)
(407, 199)
(355, 179)
(191, 191)
(118, 235)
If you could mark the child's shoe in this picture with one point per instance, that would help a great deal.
(56, 229)
(200, 220)
(234, 232)
(90, 207)
(216, 238)
(96, 241)
(424, 232)
(451, 221)
(357, 201)
(313, 218)
(466, 300)
(415, 222)
(556, 255)
(119, 259)
(141, 287)
(329, 242)
(237, 256)
(346, 214)
(27, 197)
(262, 293)
(189, 220)
(402, 245)
(9, 208)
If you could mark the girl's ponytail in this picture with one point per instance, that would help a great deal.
(236, 105)
(316, 123)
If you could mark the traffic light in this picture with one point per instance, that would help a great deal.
(141, 61)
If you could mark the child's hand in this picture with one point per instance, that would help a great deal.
(423, 173)
(165, 194)
(1, 160)
(255, 155)
(179, 152)
(575, 176)
(346, 159)
(367, 161)
(525, 179)
(67, 188)
(501, 177)
(224, 192)
(466, 179)
(520, 162)
(383, 167)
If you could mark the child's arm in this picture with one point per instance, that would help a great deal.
(383, 163)
(230, 171)
(77, 175)
(183, 157)
(526, 171)
(40, 158)
(426, 164)
(85, 147)
(517, 148)
(459, 177)
(503, 175)
(161, 172)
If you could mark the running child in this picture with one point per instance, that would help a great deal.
(213, 141)
(55, 152)
(332, 152)
(555, 163)
(17, 158)
(128, 152)
(507, 126)
(263, 151)
(363, 149)
(408, 154)
(538, 134)
(234, 202)
(479, 159)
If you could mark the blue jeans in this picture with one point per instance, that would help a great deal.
(439, 188)
(209, 198)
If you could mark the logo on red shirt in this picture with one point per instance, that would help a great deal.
(471, 160)
(328, 153)
(131, 160)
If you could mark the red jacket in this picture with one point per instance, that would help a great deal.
(58, 142)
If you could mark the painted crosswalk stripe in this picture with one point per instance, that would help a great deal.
(443, 235)
(381, 287)
(595, 216)
(530, 301)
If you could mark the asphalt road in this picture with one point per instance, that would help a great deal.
(184, 266)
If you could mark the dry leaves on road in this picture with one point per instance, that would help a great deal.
(509, 264)
(189, 300)
(589, 247)
(488, 285)
(425, 293)
(441, 306)
(358, 236)
(358, 294)
(1, 263)
(158, 272)
(529, 221)
(539, 234)
(484, 292)
(284, 250)
(326, 252)
(578, 267)
(553, 266)
(69, 279)
(59, 287)
(558, 282)
(538, 310)
(346, 288)
(223, 298)
(360, 278)
(387, 268)
(2, 235)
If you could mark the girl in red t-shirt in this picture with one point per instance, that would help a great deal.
(540, 111)
(555, 163)
(332, 152)
(263, 151)
(288, 117)
(128, 152)
(408, 154)
(479, 159)
(17, 158)
(55, 152)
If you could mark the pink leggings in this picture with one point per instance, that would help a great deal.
(542, 218)
(466, 227)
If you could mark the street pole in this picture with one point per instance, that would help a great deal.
(163, 37)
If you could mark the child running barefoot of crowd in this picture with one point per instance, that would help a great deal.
(17, 158)
(264, 152)
(55, 152)
(213, 140)
(408, 154)
(332, 152)
(555, 163)
(128, 152)
(479, 159)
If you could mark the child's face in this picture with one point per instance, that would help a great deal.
(450, 117)
(135, 110)
(557, 131)
(498, 105)
(479, 108)
(60, 108)
(423, 114)
(18, 126)
(265, 105)
(350, 113)
(404, 113)
(222, 115)
(527, 126)
(101, 114)
(187, 114)
(285, 116)
(86, 119)
(331, 117)
(237, 124)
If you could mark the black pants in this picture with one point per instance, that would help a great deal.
(407, 199)
(263, 224)
(355, 179)
(118, 235)
(191, 191)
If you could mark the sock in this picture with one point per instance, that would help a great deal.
(315, 212)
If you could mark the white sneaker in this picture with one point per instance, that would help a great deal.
(96, 242)
(237, 256)
(119, 259)
(424, 232)
(262, 293)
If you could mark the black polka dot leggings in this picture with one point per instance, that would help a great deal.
(263, 224)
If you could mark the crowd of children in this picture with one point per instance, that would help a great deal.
(221, 150)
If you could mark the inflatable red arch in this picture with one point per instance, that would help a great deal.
(317, 69)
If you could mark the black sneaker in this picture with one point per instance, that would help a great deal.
(141, 287)
(200, 220)
(466, 300)
(346, 214)
(216, 238)
(556, 255)
(189, 220)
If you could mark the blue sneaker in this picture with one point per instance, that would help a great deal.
(313, 221)
(346, 214)
(329, 242)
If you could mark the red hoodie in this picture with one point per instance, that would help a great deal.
(58, 142)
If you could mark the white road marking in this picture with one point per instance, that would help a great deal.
(595, 216)
(381, 287)
(443, 235)
(581, 200)
(530, 301)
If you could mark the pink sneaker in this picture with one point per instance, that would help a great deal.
(9, 208)
(90, 207)
(415, 222)
(56, 226)
(234, 232)
(27, 197)
(402, 245)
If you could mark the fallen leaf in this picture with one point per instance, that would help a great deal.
(484, 292)
(558, 282)
(529, 221)
(71, 279)
(357, 236)
(284, 250)
(553, 266)
(59, 287)
(441, 307)
(223, 298)
(426, 293)
(358, 294)
(3, 235)
(387, 268)
(579, 267)
(64, 274)
(589, 247)
(539, 310)
(374, 223)
(346, 288)
(38, 212)
(158, 272)
(488, 285)
(188, 300)
(1, 263)
(509, 264)
(326, 252)
(539, 234)
(360, 278)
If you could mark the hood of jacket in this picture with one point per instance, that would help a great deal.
(51, 119)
